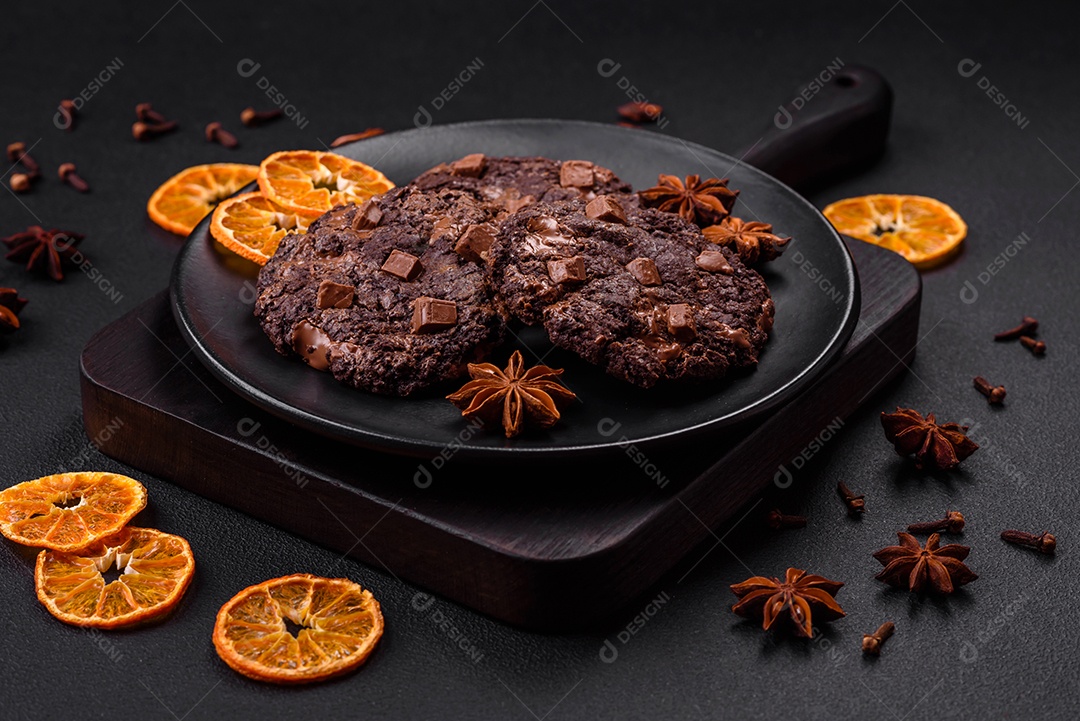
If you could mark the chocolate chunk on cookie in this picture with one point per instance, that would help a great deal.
(378, 294)
(513, 183)
(652, 301)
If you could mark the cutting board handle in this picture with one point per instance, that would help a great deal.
(835, 126)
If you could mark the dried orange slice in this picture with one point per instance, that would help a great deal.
(69, 511)
(339, 624)
(189, 196)
(312, 182)
(923, 230)
(155, 569)
(251, 225)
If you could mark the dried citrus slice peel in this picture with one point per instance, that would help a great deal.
(339, 624)
(923, 230)
(69, 511)
(311, 182)
(251, 225)
(189, 196)
(155, 569)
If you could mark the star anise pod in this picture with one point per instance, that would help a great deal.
(514, 396)
(800, 594)
(753, 241)
(42, 249)
(705, 202)
(911, 566)
(937, 446)
(10, 305)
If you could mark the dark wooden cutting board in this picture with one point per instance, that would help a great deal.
(546, 546)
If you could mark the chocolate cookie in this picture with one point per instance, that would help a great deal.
(638, 292)
(513, 183)
(388, 296)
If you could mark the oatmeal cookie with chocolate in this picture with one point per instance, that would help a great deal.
(389, 296)
(512, 183)
(638, 292)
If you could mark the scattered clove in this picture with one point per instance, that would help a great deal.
(872, 642)
(1027, 326)
(1037, 347)
(150, 123)
(66, 113)
(640, 112)
(252, 117)
(362, 135)
(215, 133)
(776, 520)
(994, 394)
(19, 155)
(20, 182)
(953, 522)
(68, 175)
(143, 130)
(146, 113)
(855, 504)
(1043, 543)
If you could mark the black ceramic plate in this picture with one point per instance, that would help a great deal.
(814, 286)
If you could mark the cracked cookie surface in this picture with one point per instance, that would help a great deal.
(638, 292)
(384, 295)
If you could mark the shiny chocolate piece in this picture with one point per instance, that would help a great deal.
(432, 314)
(576, 174)
(567, 270)
(334, 295)
(738, 336)
(653, 336)
(664, 351)
(607, 209)
(367, 216)
(545, 233)
(513, 200)
(445, 228)
(471, 166)
(312, 344)
(714, 261)
(765, 320)
(475, 241)
(644, 271)
(680, 321)
(402, 265)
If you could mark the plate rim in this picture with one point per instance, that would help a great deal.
(420, 448)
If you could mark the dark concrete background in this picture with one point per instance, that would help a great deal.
(1003, 648)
